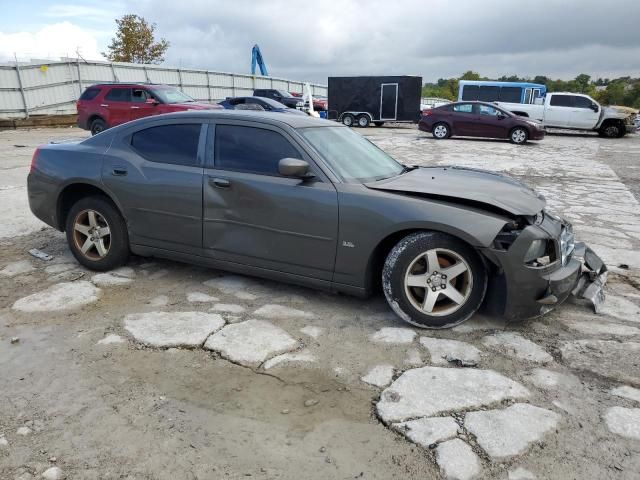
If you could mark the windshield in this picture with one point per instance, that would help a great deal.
(351, 156)
(171, 95)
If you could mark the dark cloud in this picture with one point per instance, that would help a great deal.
(313, 40)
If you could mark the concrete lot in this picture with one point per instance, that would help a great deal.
(267, 380)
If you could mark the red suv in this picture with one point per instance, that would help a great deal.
(109, 104)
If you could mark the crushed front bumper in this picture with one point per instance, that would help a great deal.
(516, 291)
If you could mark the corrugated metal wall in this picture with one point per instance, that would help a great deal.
(52, 88)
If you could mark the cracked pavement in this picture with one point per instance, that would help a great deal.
(162, 370)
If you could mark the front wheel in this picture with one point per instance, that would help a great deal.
(434, 280)
(441, 131)
(611, 130)
(97, 234)
(519, 135)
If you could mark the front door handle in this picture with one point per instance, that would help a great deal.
(119, 171)
(104, 105)
(219, 182)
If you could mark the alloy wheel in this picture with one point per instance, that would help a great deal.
(440, 131)
(518, 136)
(92, 234)
(438, 282)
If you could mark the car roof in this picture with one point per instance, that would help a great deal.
(490, 104)
(294, 121)
(127, 84)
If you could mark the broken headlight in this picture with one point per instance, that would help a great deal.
(567, 243)
(538, 253)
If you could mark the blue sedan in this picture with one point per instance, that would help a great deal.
(257, 103)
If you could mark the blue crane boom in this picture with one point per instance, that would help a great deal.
(256, 57)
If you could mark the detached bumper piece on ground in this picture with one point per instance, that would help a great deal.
(594, 274)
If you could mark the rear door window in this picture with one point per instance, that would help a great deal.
(561, 101)
(463, 108)
(176, 144)
(250, 149)
(119, 95)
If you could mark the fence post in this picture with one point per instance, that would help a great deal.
(233, 86)
(146, 73)
(180, 78)
(79, 79)
(113, 71)
(208, 87)
(24, 98)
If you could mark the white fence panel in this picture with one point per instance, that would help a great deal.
(53, 87)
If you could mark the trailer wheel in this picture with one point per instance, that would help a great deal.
(363, 121)
(348, 119)
(378, 124)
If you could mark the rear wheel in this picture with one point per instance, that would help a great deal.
(97, 234)
(363, 121)
(434, 280)
(378, 124)
(348, 119)
(441, 131)
(97, 126)
(519, 135)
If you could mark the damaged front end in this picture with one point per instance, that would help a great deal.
(537, 265)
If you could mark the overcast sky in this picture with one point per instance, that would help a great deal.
(315, 39)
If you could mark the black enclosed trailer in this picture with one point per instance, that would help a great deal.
(360, 101)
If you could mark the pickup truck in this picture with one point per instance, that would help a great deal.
(576, 111)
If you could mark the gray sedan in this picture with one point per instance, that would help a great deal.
(311, 202)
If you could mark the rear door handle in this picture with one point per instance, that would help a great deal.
(119, 171)
(133, 106)
(104, 105)
(219, 182)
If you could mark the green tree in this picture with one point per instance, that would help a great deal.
(135, 43)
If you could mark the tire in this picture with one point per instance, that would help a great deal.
(348, 119)
(440, 131)
(363, 121)
(87, 220)
(378, 124)
(611, 130)
(467, 283)
(97, 126)
(519, 136)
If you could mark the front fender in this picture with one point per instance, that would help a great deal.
(368, 218)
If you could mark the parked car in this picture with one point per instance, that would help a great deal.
(106, 105)
(478, 119)
(320, 103)
(311, 202)
(265, 104)
(576, 111)
(280, 96)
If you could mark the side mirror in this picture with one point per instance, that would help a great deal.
(294, 167)
(151, 101)
(594, 107)
(501, 116)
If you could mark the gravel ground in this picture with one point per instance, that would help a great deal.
(162, 370)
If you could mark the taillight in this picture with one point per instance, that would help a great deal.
(34, 159)
(426, 113)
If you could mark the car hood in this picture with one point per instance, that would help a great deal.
(617, 111)
(468, 185)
